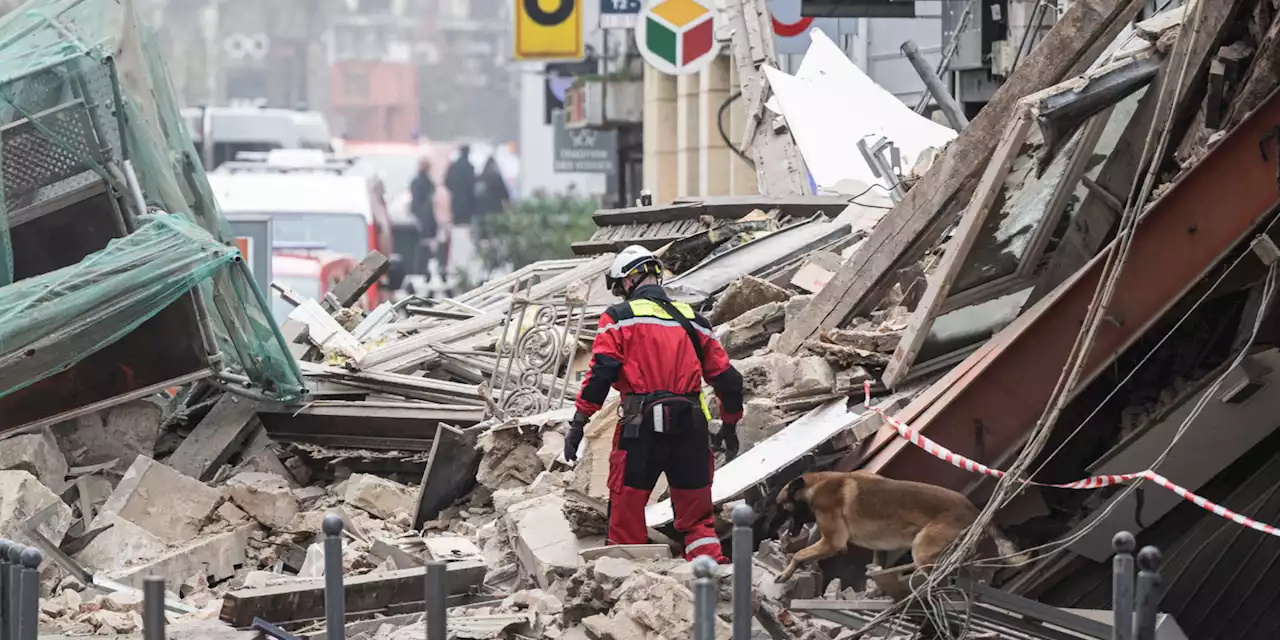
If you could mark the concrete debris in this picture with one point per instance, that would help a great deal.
(120, 433)
(585, 520)
(544, 541)
(38, 454)
(743, 296)
(266, 497)
(752, 330)
(510, 458)
(22, 496)
(171, 506)
(380, 497)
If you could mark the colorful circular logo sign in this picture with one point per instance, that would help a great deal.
(677, 37)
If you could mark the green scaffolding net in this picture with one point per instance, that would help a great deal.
(106, 217)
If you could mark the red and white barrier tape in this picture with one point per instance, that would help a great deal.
(938, 451)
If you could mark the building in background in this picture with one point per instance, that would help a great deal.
(468, 86)
(374, 71)
(223, 52)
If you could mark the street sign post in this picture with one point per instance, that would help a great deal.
(583, 150)
(619, 14)
(551, 31)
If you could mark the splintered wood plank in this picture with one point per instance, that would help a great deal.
(953, 260)
(217, 437)
(1075, 41)
(350, 288)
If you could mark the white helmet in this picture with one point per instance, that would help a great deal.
(633, 259)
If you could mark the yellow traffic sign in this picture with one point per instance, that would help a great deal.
(548, 29)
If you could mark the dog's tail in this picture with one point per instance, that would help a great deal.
(1009, 552)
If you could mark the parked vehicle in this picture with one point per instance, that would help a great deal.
(232, 130)
(343, 214)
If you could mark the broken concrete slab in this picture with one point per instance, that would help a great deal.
(752, 330)
(627, 551)
(265, 496)
(619, 626)
(452, 469)
(170, 505)
(744, 295)
(120, 433)
(866, 339)
(379, 496)
(215, 557)
(38, 454)
(451, 548)
(545, 542)
(123, 545)
(304, 599)
(21, 497)
(760, 419)
(218, 436)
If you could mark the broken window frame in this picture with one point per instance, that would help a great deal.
(1080, 144)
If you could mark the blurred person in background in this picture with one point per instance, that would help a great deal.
(491, 190)
(422, 191)
(461, 182)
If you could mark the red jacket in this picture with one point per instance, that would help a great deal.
(640, 349)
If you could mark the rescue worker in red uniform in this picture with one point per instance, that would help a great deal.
(657, 352)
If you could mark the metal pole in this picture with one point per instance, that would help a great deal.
(1149, 592)
(334, 596)
(29, 617)
(1122, 586)
(153, 609)
(704, 598)
(743, 541)
(950, 108)
(4, 588)
(13, 596)
(437, 605)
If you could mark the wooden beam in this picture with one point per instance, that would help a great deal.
(218, 436)
(648, 215)
(1075, 42)
(451, 471)
(962, 241)
(350, 288)
(368, 593)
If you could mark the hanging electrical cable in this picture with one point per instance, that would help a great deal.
(724, 136)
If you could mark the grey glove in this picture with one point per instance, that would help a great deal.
(574, 437)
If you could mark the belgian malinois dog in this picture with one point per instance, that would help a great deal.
(880, 514)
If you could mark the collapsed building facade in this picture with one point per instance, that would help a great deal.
(1080, 284)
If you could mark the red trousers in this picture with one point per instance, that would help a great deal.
(683, 453)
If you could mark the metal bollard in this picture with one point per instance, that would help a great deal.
(4, 588)
(13, 597)
(704, 598)
(437, 600)
(153, 609)
(1122, 586)
(1149, 593)
(29, 617)
(335, 614)
(743, 540)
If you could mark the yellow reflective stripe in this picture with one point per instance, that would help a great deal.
(643, 307)
(706, 411)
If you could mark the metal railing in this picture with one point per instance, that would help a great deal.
(1134, 603)
(19, 591)
(1135, 599)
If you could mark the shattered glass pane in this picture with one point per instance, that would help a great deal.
(1005, 237)
(1024, 201)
